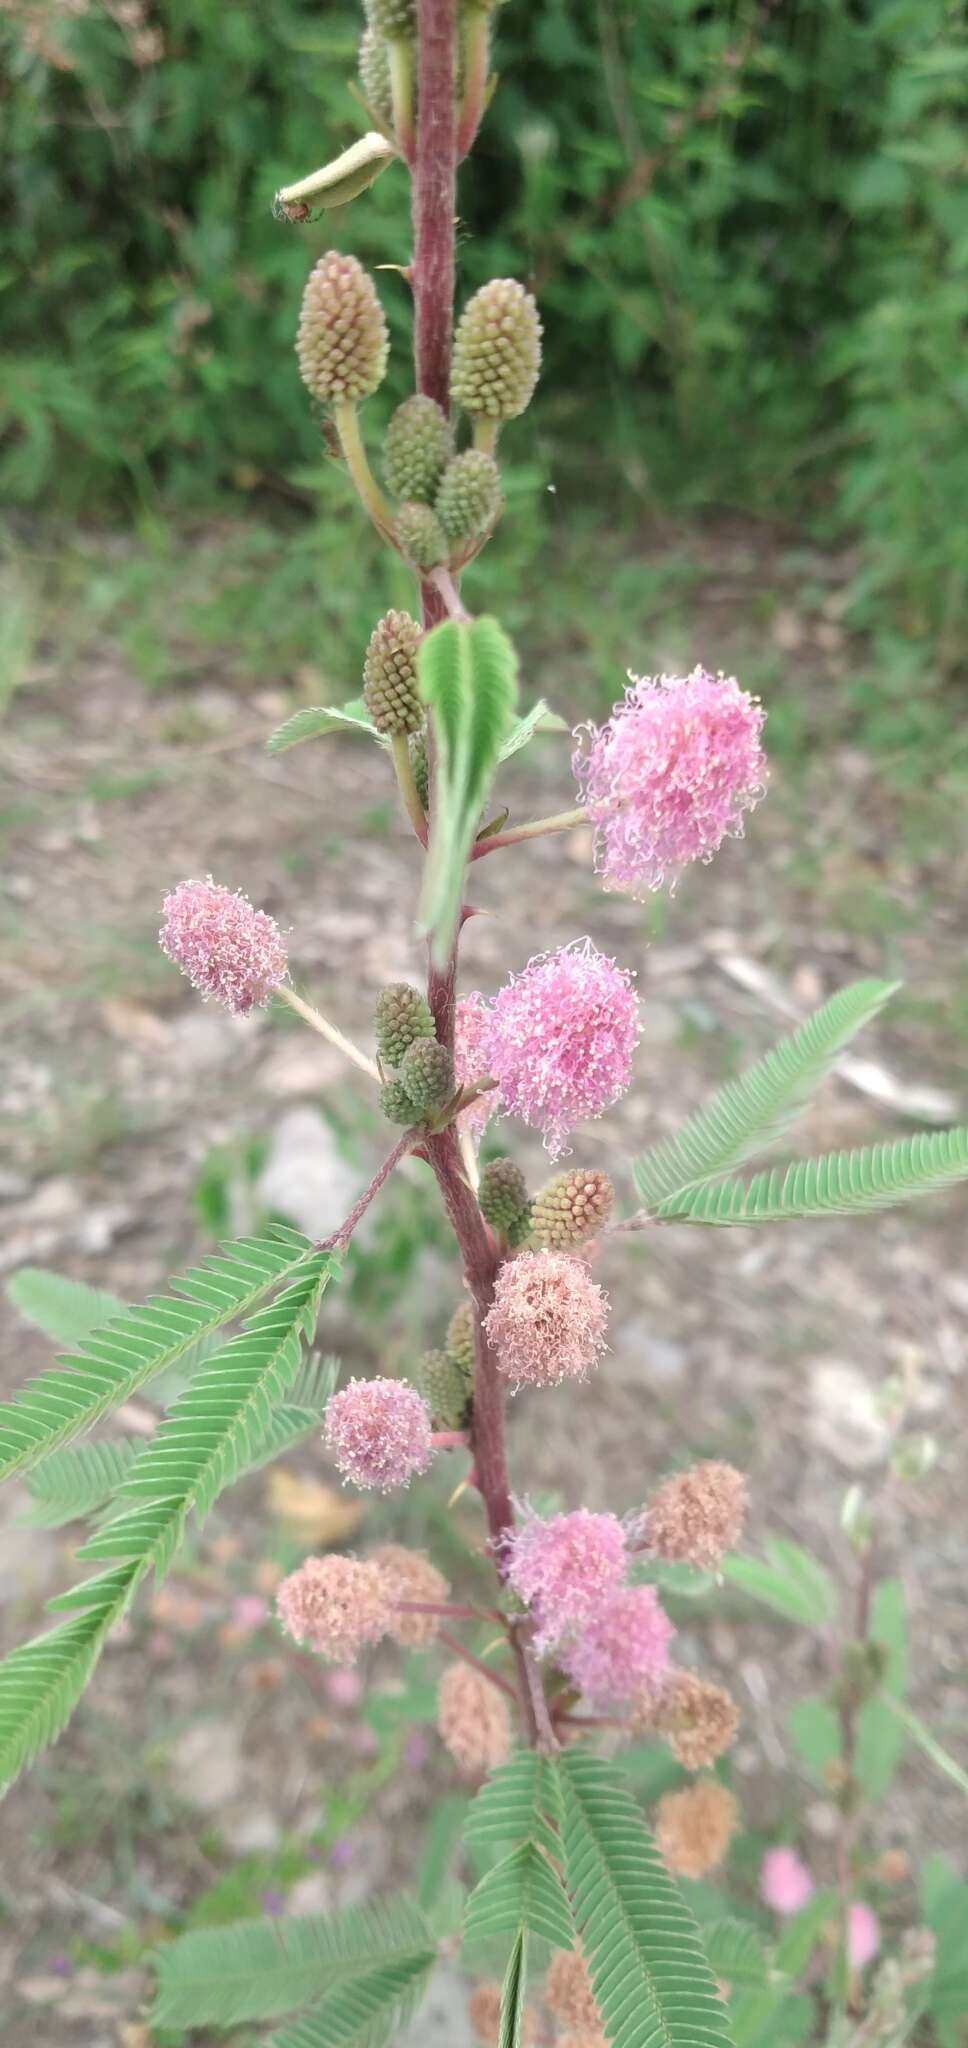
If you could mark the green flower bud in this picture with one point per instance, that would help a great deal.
(417, 447)
(390, 674)
(445, 1388)
(392, 17)
(421, 535)
(503, 1194)
(402, 1015)
(342, 340)
(396, 1104)
(421, 768)
(427, 1073)
(572, 1208)
(497, 351)
(469, 498)
(460, 1337)
(520, 1230)
(374, 70)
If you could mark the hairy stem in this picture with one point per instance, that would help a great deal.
(341, 1237)
(434, 197)
(562, 821)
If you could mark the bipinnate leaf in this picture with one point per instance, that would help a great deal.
(263, 1969)
(513, 1994)
(837, 1184)
(746, 1115)
(316, 719)
(468, 679)
(650, 1975)
(367, 2011)
(538, 719)
(520, 1802)
(735, 1952)
(67, 1310)
(115, 1359)
(523, 1890)
(76, 1481)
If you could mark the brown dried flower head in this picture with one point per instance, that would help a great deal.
(694, 1828)
(697, 1718)
(473, 1720)
(568, 1992)
(335, 1605)
(484, 2013)
(411, 1577)
(695, 1517)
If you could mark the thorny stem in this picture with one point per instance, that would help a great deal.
(341, 1237)
(327, 1030)
(561, 822)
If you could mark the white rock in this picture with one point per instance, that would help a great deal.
(306, 1177)
(207, 1765)
(844, 1417)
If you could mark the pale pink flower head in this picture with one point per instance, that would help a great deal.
(564, 1567)
(863, 1935)
(226, 947)
(561, 1037)
(624, 1647)
(470, 1062)
(669, 776)
(378, 1432)
(547, 1320)
(335, 1606)
(785, 1881)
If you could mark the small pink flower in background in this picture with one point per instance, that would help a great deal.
(785, 1881)
(226, 947)
(416, 1751)
(547, 1320)
(863, 1935)
(344, 1688)
(378, 1432)
(625, 1647)
(563, 1567)
(560, 1039)
(669, 776)
(249, 1611)
(470, 1062)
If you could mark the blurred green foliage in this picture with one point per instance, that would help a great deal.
(746, 225)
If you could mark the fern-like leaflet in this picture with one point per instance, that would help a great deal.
(837, 1184)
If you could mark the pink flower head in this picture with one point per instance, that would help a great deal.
(378, 1432)
(547, 1319)
(335, 1605)
(561, 1037)
(863, 1935)
(625, 1647)
(227, 948)
(564, 1567)
(669, 775)
(785, 1881)
(470, 1062)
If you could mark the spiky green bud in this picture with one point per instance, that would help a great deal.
(469, 498)
(392, 17)
(396, 1104)
(503, 1194)
(427, 1073)
(421, 768)
(497, 351)
(390, 674)
(445, 1388)
(374, 70)
(421, 536)
(417, 448)
(518, 1231)
(342, 341)
(460, 1337)
(572, 1208)
(402, 1015)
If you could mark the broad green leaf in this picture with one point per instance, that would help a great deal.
(261, 1969)
(650, 1975)
(880, 1735)
(349, 174)
(837, 1184)
(538, 719)
(518, 1803)
(117, 1358)
(366, 2012)
(815, 1731)
(944, 1903)
(748, 1114)
(317, 719)
(773, 2017)
(788, 1579)
(513, 1994)
(75, 1481)
(468, 679)
(523, 1890)
(67, 1310)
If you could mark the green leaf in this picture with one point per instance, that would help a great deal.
(649, 1973)
(261, 1969)
(444, 1829)
(75, 1481)
(297, 1418)
(523, 1890)
(317, 719)
(815, 1730)
(788, 1579)
(519, 1803)
(802, 1932)
(749, 1113)
(880, 1735)
(837, 1184)
(735, 1951)
(944, 1903)
(67, 1310)
(513, 1993)
(114, 1360)
(42, 1681)
(538, 719)
(367, 2012)
(468, 679)
(929, 1744)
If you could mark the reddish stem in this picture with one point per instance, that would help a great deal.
(460, 1650)
(434, 198)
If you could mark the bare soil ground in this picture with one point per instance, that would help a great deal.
(203, 1752)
